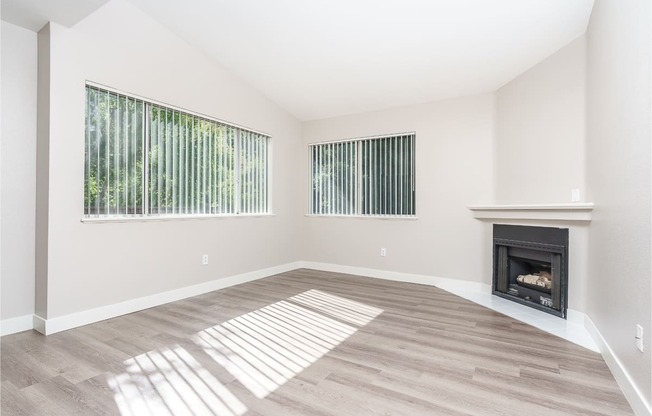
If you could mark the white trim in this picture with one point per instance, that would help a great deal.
(270, 178)
(171, 217)
(76, 319)
(535, 207)
(97, 85)
(441, 282)
(561, 212)
(13, 325)
(576, 317)
(355, 139)
(365, 217)
(39, 324)
(627, 385)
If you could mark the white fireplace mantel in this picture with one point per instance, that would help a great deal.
(578, 211)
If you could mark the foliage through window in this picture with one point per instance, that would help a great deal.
(369, 177)
(145, 159)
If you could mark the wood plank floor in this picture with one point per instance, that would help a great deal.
(307, 343)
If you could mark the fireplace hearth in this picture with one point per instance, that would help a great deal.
(531, 266)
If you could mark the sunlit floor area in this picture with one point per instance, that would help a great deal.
(307, 343)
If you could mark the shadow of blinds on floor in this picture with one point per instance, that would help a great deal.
(262, 350)
(265, 348)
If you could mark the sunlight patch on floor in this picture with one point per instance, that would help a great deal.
(169, 381)
(265, 348)
(262, 350)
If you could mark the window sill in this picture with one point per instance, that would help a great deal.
(102, 220)
(365, 217)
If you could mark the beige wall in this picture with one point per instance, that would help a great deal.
(18, 170)
(92, 265)
(619, 177)
(539, 149)
(540, 131)
(42, 171)
(454, 166)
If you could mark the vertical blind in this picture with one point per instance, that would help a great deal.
(147, 159)
(373, 176)
(114, 154)
(253, 172)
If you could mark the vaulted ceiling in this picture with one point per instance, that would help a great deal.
(34, 14)
(320, 59)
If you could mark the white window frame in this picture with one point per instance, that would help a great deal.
(359, 178)
(144, 215)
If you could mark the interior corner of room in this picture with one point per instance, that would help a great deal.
(560, 138)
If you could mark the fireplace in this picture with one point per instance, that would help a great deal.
(531, 266)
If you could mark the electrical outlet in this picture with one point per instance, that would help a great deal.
(204, 259)
(383, 252)
(639, 337)
(575, 195)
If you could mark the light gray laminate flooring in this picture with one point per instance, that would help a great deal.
(307, 343)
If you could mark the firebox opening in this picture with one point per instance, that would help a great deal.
(533, 275)
(531, 266)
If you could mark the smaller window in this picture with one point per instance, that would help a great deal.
(368, 177)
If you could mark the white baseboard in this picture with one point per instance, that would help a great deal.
(74, 320)
(576, 317)
(14, 325)
(445, 283)
(633, 394)
(77, 319)
(39, 324)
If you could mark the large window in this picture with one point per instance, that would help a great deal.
(369, 177)
(145, 159)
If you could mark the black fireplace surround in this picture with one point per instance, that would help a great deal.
(531, 266)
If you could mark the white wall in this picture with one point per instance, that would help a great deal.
(18, 170)
(454, 166)
(42, 171)
(540, 130)
(92, 265)
(619, 176)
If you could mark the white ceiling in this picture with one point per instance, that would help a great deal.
(34, 14)
(320, 59)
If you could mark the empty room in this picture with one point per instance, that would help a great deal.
(417, 207)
